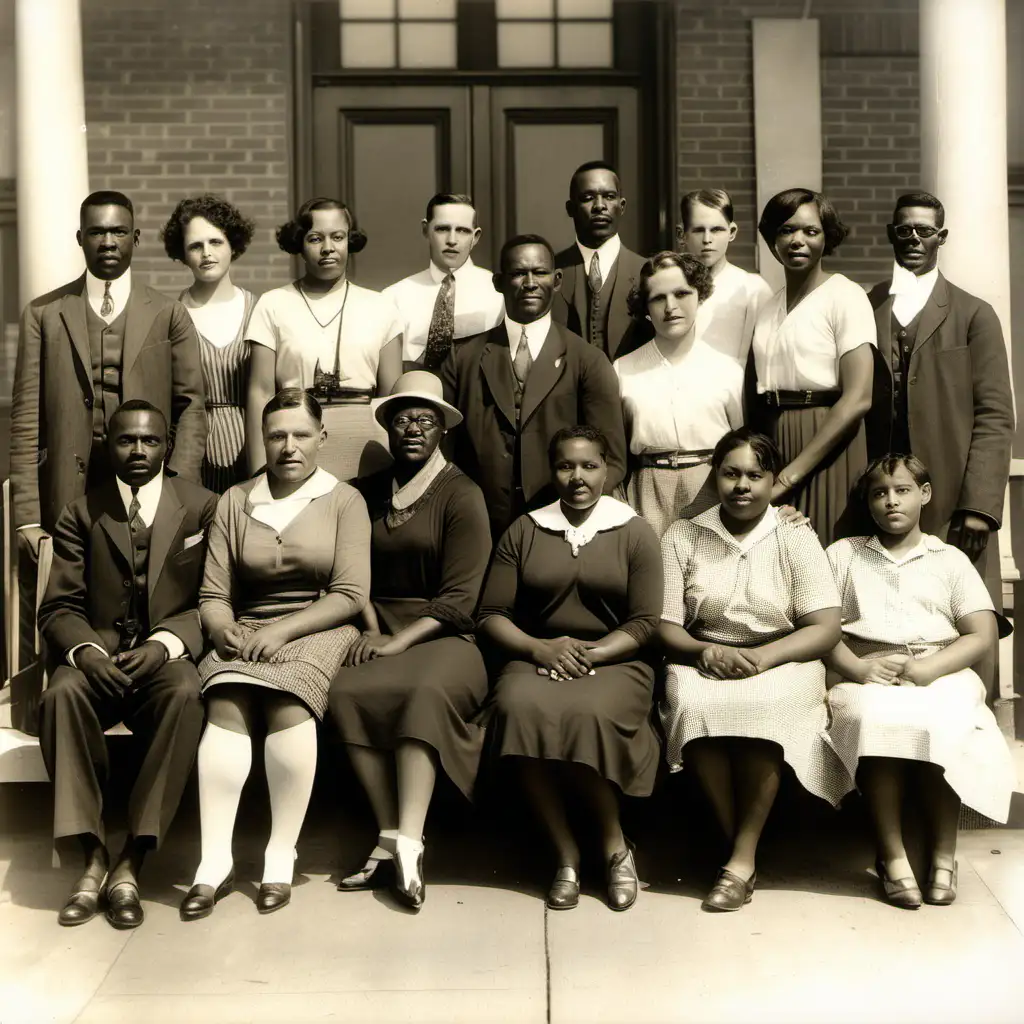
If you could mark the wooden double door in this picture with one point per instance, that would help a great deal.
(513, 147)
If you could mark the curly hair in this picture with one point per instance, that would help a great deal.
(290, 235)
(697, 276)
(219, 212)
(782, 206)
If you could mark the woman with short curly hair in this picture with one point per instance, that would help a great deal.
(207, 234)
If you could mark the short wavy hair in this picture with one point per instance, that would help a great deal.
(698, 277)
(290, 235)
(768, 456)
(293, 398)
(577, 433)
(886, 465)
(224, 216)
(782, 206)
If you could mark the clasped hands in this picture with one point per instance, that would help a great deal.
(721, 662)
(371, 644)
(121, 672)
(261, 644)
(896, 670)
(564, 658)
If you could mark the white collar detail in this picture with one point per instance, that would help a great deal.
(536, 333)
(437, 274)
(910, 292)
(120, 289)
(607, 254)
(608, 514)
(712, 520)
(279, 512)
(148, 494)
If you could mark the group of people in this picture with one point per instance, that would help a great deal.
(571, 517)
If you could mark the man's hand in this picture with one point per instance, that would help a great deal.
(141, 662)
(264, 643)
(722, 662)
(32, 536)
(969, 533)
(101, 671)
(370, 644)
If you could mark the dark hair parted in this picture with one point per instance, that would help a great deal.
(769, 458)
(698, 277)
(106, 197)
(781, 207)
(925, 199)
(137, 405)
(578, 433)
(219, 212)
(886, 465)
(290, 235)
(293, 398)
(713, 198)
(590, 165)
(449, 199)
(518, 241)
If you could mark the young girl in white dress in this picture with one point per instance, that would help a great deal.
(911, 715)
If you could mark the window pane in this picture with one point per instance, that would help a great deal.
(585, 45)
(366, 9)
(585, 8)
(426, 9)
(365, 45)
(426, 45)
(530, 45)
(512, 9)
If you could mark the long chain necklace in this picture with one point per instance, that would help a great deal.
(339, 316)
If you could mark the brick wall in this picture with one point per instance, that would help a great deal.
(186, 97)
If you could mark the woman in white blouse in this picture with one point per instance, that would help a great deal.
(679, 395)
(322, 333)
(813, 363)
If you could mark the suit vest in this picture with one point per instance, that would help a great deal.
(902, 339)
(593, 316)
(106, 347)
(135, 624)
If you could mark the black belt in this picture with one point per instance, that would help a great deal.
(798, 399)
(341, 396)
(222, 405)
(674, 459)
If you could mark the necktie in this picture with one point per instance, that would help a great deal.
(523, 360)
(594, 280)
(442, 325)
(135, 523)
(107, 305)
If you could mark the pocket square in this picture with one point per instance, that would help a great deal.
(192, 541)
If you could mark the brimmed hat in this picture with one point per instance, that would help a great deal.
(415, 385)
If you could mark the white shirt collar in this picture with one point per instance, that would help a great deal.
(535, 334)
(411, 492)
(120, 289)
(437, 275)
(148, 494)
(712, 520)
(316, 485)
(608, 514)
(910, 292)
(927, 543)
(607, 254)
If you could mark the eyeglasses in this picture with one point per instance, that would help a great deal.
(423, 422)
(906, 231)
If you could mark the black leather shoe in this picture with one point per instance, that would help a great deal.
(900, 892)
(374, 874)
(124, 909)
(730, 892)
(81, 906)
(200, 900)
(413, 892)
(623, 883)
(273, 896)
(941, 895)
(564, 893)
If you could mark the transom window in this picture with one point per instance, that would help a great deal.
(555, 33)
(398, 33)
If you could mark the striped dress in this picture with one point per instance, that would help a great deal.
(226, 379)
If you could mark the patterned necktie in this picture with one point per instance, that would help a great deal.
(135, 523)
(523, 360)
(107, 305)
(442, 325)
(594, 280)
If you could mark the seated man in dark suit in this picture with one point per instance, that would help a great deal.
(122, 635)
(520, 383)
(598, 271)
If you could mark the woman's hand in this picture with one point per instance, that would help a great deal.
(916, 672)
(262, 644)
(722, 662)
(227, 642)
(371, 644)
(564, 657)
(882, 671)
(792, 516)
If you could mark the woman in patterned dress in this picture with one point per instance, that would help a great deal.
(750, 610)
(911, 716)
(287, 573)
(208, 234)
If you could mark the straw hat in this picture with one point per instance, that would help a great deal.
(420, 385)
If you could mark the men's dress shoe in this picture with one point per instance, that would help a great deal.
(900, 892)
(81, 906)
(941, 895)
(564, 893)
(623, 883)
(730, 892)
(409, 888)
(124, 909)
(374, 874)
(273, 896)
(200, 900)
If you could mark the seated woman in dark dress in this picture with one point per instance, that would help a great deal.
(414, 679)
(571, 600)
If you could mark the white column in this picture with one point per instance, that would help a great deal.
(53, 164)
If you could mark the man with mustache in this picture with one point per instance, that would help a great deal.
(598, 271)
(942, 386)
(121, 624)
(453, 298)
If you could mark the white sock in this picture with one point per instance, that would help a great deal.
(380, 852)
(290, 756)
(225, 758)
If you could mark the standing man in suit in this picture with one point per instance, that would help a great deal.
(83, 349)
(942, 386)
(121, 624)
(521, 382)
(598, 271)
(453, 298)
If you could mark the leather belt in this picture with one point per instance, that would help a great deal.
(777, 399)
(222, 405)
(674, 459)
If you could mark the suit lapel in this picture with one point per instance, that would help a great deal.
(73, 316)
(139, 315)
(547, 368)
(114, 522)
(935, 311)
(570, 279)
(169, 515)
(496, 365)
(883, 328)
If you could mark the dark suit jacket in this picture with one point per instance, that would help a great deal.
(92, 572)
(51, 414)
(570, 383)
(624, 334)
(960, 408)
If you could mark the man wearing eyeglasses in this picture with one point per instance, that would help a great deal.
(942, 385)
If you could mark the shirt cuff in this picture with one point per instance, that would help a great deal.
(174, 645)
(993, 524)
(78, 647)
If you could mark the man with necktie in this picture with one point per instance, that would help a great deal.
(121, 628)
(453, 298)
(598, 271)
(519, 383)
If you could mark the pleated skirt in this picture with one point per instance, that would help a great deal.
(225, 462)
(661, 496)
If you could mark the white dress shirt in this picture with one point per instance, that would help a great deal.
(120, 289)
(149, 499)
(726, 318)
(910, 293)
(607, 254)
(536, 333)
(478, 307)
